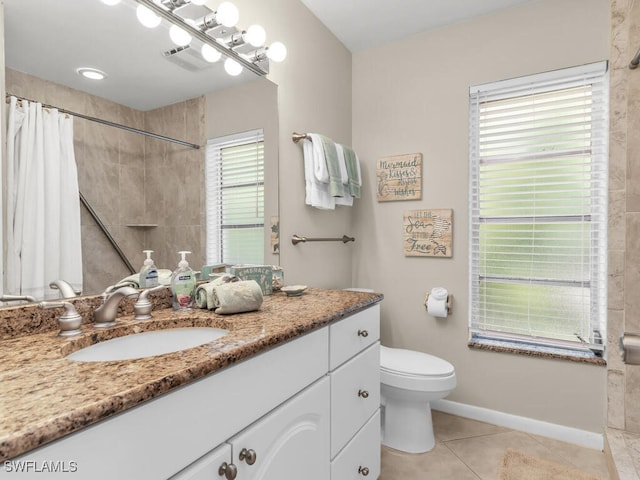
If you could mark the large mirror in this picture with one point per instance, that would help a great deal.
(147, 192)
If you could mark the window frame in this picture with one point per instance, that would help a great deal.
(592, 74)
(214, 203)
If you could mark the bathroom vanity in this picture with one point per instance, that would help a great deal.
(291, 392)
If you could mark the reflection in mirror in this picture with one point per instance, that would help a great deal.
(148, 192)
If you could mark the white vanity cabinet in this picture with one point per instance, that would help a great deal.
(354, 360)
(307, 409)
(291, 442)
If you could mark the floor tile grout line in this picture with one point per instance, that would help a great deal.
(462, 461)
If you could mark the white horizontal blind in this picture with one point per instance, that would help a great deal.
(538, 150)
(235, 199)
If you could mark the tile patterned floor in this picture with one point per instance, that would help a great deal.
(471, 450)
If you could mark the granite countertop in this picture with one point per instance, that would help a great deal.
(44, 396)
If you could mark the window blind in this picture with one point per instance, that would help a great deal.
(538, 149)
(234, 177)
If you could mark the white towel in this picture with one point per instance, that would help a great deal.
(317, 192)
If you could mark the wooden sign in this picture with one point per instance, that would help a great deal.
(428, 233)
(399, 177)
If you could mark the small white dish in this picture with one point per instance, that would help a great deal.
(294, 290)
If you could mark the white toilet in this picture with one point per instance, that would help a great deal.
(409, 381)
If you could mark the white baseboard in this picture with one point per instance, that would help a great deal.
(524, 424)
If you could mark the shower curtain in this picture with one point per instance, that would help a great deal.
(43, 207)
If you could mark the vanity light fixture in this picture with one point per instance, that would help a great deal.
(179, 36)
(147, 17)
(91, 73)
(214, 33)
(277, 51)
(232, 67)
(210, 54)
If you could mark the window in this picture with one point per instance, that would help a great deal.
(538, 149)
(234, 177)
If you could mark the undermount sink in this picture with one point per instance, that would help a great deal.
(147, 344)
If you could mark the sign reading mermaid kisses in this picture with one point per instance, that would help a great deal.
(399, 177)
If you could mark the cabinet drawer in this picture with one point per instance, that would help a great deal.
(352, 335)
(355, 395)
(360, 459)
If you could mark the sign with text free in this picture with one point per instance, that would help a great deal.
(428, 233)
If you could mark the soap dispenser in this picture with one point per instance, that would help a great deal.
(148, 272)
(183, 285)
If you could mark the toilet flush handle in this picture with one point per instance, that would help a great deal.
(363, 333)
(364, 471)
(363, 393)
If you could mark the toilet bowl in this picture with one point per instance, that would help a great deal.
(409, 382)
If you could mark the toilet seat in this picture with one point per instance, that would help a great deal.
(411, 370)
(409, 363)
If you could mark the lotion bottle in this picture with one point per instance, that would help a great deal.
(148, 272)
(183, 285)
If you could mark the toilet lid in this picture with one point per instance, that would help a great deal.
(412, 363)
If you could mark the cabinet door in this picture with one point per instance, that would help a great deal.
(291, 442)
(208, 466)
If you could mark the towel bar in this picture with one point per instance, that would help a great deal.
(296, 137)
(297, 239)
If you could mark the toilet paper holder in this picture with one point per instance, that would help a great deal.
(449, 302)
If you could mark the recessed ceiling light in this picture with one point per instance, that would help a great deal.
(91, 73)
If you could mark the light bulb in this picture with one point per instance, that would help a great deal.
(111, 2)
(256, 35)
(179, 36)
(227, 14)
(232, 67)
(277, 51)
(147, 17)
(210, 54)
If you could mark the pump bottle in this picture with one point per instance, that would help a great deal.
(183, 285)
(148, 272)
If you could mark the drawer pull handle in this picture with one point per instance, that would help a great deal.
(364, 471)
(248, 456)
(363, 393)
(363, 333)
(228, 470)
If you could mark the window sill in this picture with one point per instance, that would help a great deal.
(505, 346)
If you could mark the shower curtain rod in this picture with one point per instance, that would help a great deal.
(108, 123)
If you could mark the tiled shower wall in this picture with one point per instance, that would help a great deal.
(623, 387)
(130, 179)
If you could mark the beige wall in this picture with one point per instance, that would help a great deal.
(624, 214)
(314, 95)
(412, 96)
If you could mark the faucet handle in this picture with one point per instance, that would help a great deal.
(69, 321)
(143, 306)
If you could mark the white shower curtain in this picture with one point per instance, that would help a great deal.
(43, 207)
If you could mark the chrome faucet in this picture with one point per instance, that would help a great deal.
(69, 321)
(16, 298)
(105, 314)
(66, 290)
(143, 306)
(111, 288)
